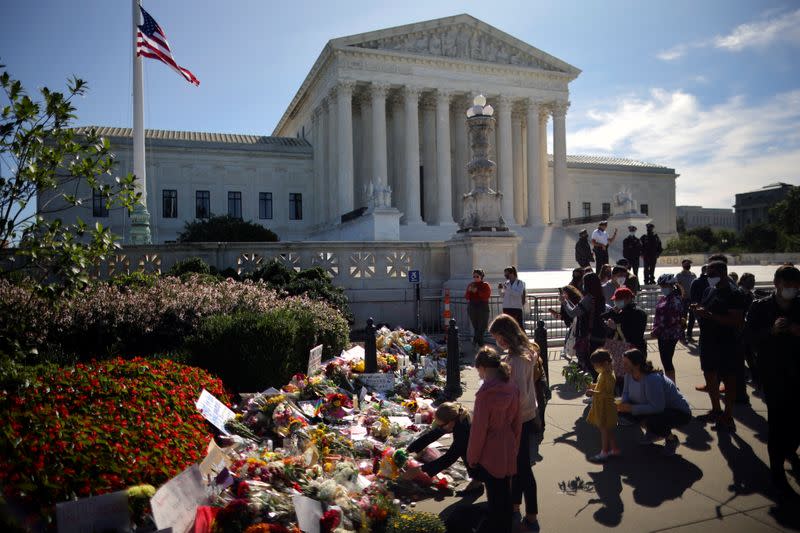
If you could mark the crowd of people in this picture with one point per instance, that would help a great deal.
(740, 336)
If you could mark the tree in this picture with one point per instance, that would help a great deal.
(680, 225)
(760, 238)
(44, 162)
(226, 229)
(784, 214)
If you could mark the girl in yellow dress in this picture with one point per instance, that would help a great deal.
(603, 413)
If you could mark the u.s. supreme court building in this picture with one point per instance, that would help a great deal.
(374, 147)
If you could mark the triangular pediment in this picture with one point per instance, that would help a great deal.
(459, 37)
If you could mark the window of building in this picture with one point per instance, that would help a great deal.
(644, 209)
(265, 205)
(587, 209)
(295, 206)
(99, 208)
(606, 208)
(169, 203)
(202, 204)
(234, 204)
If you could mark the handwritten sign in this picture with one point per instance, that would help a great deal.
(378, 381)
(214, 410)
(107, 512)
(314, 359)
(308, 513)
(214, 462)
(175, 503)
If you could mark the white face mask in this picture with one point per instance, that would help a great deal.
(633, 232)
(619, 304)
(788, 293)
(666, 291)
(713, 282)
(620, 280)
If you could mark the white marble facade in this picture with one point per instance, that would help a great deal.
(379, 123)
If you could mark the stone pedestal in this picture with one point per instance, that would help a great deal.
(490, 251)
(378, 224)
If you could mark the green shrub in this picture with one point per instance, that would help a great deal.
(415, 522)
(192, 264)
(312, 282)
(251, 351)
(226, 229)
(96, 428)
(134, 280)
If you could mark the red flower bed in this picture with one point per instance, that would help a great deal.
(100, 427)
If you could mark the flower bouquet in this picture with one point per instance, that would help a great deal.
(334, 406)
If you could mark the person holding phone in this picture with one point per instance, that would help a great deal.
(513, 290)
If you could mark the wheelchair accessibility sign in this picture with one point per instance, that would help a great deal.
(413, 276)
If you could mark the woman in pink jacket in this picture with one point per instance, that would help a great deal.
(523, 358)
(494, 437)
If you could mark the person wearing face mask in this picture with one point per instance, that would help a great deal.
(774, 326)
(632, 249)
(513, 290)
(747, 284)
(631, 281)
(619, 277)
(601, 240)
(651, 249)
(631, 320)
(721, 315)
(477, 296)
(667, 327)
(685, 278)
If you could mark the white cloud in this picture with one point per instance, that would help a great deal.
(773, 28)
(718, 150)
(783, 28)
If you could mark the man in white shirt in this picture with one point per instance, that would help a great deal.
(600, 242)
(513, 290)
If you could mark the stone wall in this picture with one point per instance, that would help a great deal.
(738, 259)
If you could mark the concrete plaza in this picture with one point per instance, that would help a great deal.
(716, 481)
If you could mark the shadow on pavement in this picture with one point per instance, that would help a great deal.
(752, 476)
(745, 415)
(566, 392)
(697, 437)
(654, 477)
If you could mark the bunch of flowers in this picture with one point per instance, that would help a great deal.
(328, 442)
(407, 522)
(420, 346)
(334, 405)
(100, 427)
(378, 505)
(339, 373)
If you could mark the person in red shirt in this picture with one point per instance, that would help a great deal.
(494, 438)
(478, 294)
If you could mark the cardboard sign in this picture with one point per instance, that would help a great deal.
(314, 360)
(308, 513)
(353, 354)
(215, 461)
(175, 503)
(107, 512)
(214, 410)
(378, 381)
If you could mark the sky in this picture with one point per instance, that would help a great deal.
(711, 88)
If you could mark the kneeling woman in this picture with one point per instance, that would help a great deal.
(652, 400)
(494, 438)
(450, 417)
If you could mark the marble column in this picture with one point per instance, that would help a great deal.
(534, 169)
(505, 159)
(319, 162)
(444, 173)
(331, 176)
(428, 157)
(344, 123)
(380, 171)
(397, 152)
(412, 188)
(461, 181)
(549, 215)
(520, 191)
(562, 192)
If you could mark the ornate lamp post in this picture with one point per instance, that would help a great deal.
(482, 205)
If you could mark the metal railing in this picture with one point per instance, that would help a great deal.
(537, 308)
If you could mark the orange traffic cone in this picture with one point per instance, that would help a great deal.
(447, 314)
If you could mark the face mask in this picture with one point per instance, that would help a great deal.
(788, 293)
(687, 267)
(666, 291)
(713, 282)
(633, 232)
(619, 304)
(621, 280)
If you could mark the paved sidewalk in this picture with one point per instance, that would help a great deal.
(715, 481)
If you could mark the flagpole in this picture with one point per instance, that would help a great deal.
(140, 218)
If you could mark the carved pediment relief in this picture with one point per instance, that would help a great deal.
(459, 41)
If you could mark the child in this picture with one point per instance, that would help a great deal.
(494, 437)
(603, 413)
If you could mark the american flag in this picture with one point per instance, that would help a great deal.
(151, 41)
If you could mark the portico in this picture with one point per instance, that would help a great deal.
(387, 109)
